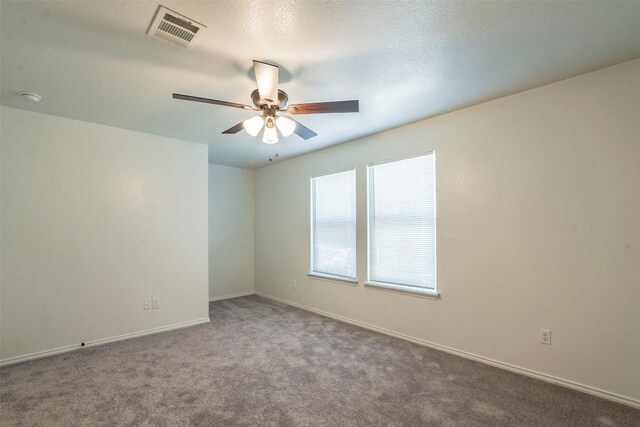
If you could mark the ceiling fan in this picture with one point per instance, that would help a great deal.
(271, 102)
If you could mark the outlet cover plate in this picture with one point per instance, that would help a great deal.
(545, 336)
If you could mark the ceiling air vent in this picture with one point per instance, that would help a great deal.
(171, 26)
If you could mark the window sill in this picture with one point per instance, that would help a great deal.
(417, 292)
(331, 278)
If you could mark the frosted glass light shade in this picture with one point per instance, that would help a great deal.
(253, 125)
(270, 135)
(286, 125)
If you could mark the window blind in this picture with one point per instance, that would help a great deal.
(402, 222)
(333, 224)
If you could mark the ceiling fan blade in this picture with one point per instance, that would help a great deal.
(303, 131)
(211, 101)
(235, 129)
(352, 106)
(267, 79)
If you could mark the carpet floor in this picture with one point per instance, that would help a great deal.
(262, 363)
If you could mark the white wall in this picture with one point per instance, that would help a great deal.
(231, 197)
(538, 227)
(94, 220)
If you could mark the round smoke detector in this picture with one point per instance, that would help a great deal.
(32, 97)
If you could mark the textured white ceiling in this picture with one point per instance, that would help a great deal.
(404, 61)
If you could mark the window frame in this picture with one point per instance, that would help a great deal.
(318, 274)
(396, 287)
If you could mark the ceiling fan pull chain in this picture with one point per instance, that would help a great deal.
(274, 157)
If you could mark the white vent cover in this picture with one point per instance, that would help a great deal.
(171, 26)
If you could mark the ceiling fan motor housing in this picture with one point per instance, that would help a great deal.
(283, 98)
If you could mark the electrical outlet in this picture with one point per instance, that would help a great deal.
(294, 284)
(545, 336)
(147, 304)
(155, 303)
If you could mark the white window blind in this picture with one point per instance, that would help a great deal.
(333, 224)
(402, 222)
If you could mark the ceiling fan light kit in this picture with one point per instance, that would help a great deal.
(270, 134)
(271, 102)
(253, 125)
(285, 125)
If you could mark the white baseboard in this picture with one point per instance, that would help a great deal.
(46, 353)
(241, 294)
(507, 366)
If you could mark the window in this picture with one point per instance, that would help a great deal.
(402, 225)
(333, 225)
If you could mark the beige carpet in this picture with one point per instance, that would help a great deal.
(260, 363)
